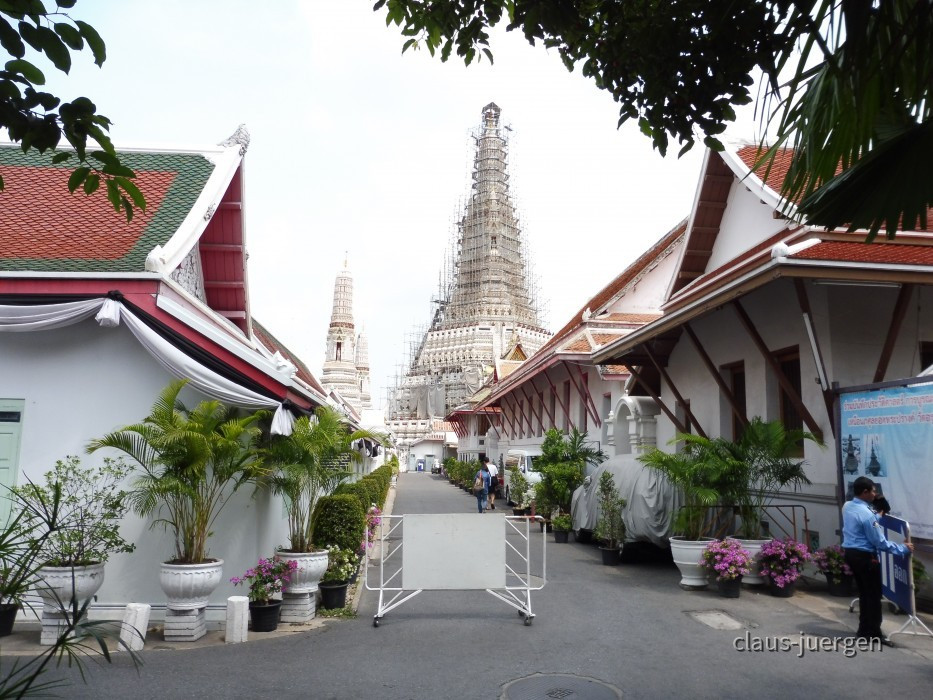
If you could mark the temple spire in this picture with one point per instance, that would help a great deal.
(340, 372)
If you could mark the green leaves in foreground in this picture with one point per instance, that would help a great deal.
(39, 120)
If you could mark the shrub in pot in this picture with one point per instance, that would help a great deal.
(341, 567)
(518, 490)
(562, 465)
(610, 527)
(339, 520)
(90, 507)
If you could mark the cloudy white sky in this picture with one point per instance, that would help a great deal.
(359, 150)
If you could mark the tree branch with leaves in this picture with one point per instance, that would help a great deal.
(31, 32)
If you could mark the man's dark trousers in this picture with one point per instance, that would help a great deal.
(866, 570)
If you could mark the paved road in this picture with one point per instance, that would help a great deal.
(629, 627)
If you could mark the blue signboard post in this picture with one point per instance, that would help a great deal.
(897, 577)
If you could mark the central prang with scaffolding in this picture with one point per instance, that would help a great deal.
(487, 300)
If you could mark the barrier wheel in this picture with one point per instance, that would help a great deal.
(375, 622)
(528, 621)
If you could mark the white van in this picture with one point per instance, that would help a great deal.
(524, 460)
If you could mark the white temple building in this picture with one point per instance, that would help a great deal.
(346, 363)
(486, 304)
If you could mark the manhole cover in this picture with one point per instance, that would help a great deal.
(559, 686)
(717, 619)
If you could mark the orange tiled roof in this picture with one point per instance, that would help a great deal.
(45, 228)
(885, 253)
(579, 344)
(629, 318)
(603, 338)
(749, 154)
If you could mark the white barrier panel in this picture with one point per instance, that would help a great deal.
(454, 551)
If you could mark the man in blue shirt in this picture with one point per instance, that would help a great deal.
(863, 539)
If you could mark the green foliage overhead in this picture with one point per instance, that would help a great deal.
(846, 83)
(32, 33)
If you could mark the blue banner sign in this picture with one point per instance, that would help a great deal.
(887, 435)
(897, 575)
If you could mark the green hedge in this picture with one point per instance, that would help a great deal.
(339, 520)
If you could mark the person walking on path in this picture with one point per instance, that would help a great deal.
(863, 540)
(481, 482)
(493, 482)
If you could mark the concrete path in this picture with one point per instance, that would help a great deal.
(630, 628)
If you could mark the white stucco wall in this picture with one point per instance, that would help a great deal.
(746, 222)
(83, 381)
(851, 324)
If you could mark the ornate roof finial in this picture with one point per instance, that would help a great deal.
(240, 136)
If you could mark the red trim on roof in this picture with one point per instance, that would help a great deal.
(223, 257)
(142, 294)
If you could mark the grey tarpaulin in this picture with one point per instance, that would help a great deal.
(651, 501)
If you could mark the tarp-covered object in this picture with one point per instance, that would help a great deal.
(651, 502)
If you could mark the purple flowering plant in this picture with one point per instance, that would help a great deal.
(831, 561)
(373, 520)
(728, 558)
(266, 578)
(782, 560)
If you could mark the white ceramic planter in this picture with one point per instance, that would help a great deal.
(189, 586)
(56, 585)
(753, 578)
(311, 566)
(687, 555)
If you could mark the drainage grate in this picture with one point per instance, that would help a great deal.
(559, 686)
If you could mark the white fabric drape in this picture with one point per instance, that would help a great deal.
(109, 314)
(15, 319)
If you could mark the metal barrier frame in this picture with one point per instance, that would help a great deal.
(517, 595)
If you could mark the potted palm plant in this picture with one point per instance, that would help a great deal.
(90, 506)
(610, 527)
(301, 468)
(768, 449)
(703, 471)
(192, 461)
